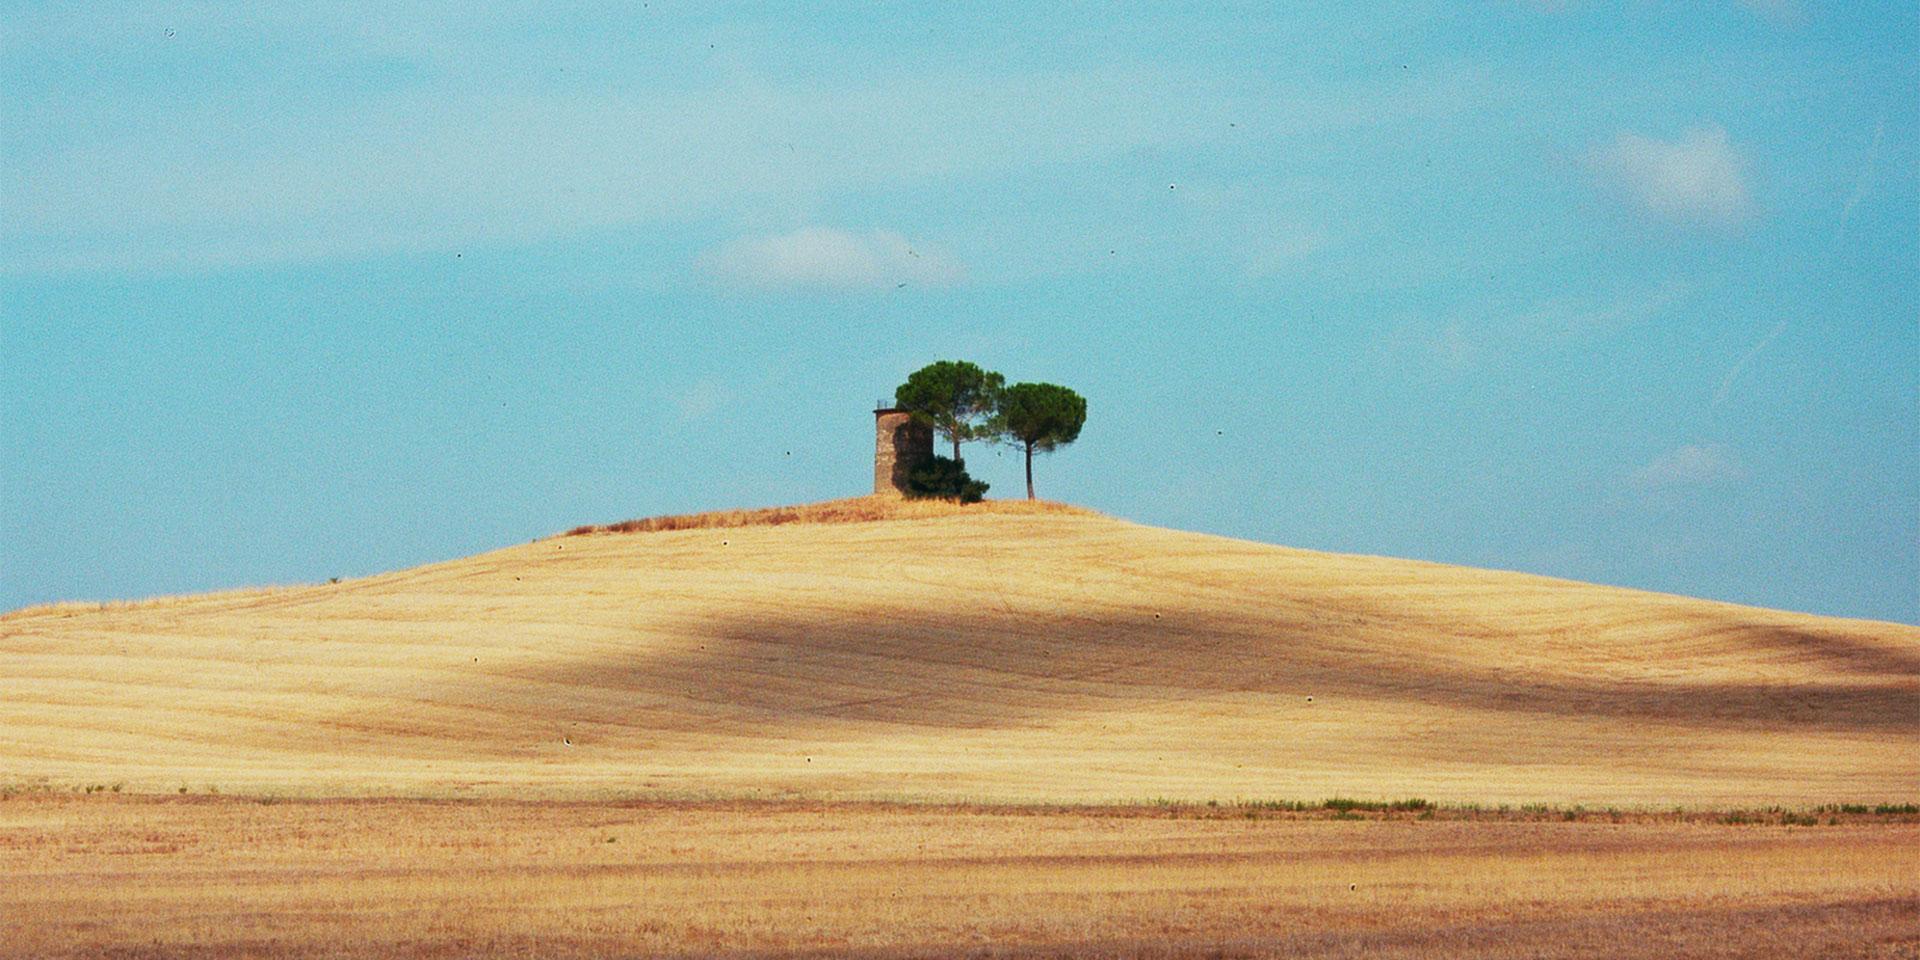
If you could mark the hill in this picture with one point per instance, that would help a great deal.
(1002, 652)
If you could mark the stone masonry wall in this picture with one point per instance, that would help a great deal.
(898, 444)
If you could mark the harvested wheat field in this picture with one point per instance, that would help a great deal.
(202, 877)
(877, 727)
(1002, 652)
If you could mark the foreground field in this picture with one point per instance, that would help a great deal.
(203, 877)
(700, 736)
(1004, 652)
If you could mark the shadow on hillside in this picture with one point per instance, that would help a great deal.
(1839, 652)
(778, 671)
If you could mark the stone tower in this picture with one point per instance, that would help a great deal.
(898, 445)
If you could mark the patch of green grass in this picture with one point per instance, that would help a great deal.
(1293, 806)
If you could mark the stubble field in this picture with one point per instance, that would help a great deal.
(892, 730)
(210, 877)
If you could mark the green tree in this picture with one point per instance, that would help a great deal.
(956, 397)
(1039, 416)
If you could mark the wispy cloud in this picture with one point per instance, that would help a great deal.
(1860, 186)
(249, 179)
(1692, 465)
(1573, 318)
(823, 258)
(1450, 347)
(1698, 179)
(1472, 333)
(200, 139)
(1863, 181)
(1779, 11)
(1280, 249)
(701, 399)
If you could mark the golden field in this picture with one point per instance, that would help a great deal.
(220, 877)
(882, 729)
(1004, 652)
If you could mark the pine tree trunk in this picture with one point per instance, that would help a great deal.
(1029, 471)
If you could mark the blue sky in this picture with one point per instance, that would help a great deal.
(1623, 292)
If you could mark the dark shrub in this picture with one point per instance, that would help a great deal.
(938, 476)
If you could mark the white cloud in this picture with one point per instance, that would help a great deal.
(822, 258)
(1698, 179)
(1692, 465)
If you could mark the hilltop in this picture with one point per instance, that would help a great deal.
(873, 649)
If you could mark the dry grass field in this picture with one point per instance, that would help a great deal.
(829, 729)
(204, 877)
(1001, 652)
